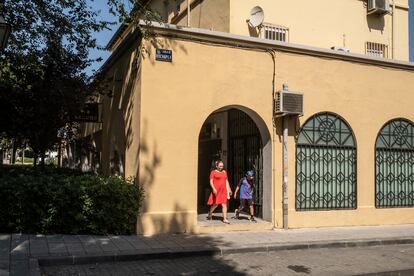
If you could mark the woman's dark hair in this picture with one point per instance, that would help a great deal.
(217, 162)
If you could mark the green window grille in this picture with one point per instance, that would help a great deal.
(394, 165)
(325, 164)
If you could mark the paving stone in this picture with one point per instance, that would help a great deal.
(154, 244)
(34, 267)
(58, 249)
(37, 237)
(139, 245)
(71, 238)
(92, 249)
(18, 256)
(55, 238)
(75, 248)
(106, 244)
(38, 243)
(86, 239)
(90, 246)
(121, 244)
(4, 264)
(57, 246)
(19, 267)
(40, 254)
(19, 237)
(4, 252)
(4, 237)
(39, 250)
(137, 242)
(20, 246)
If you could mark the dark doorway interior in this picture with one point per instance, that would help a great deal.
(209, 151)
(245, 153)
(232, 136)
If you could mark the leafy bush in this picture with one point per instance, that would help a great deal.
(66, 202)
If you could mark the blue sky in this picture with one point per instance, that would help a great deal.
(103, 37)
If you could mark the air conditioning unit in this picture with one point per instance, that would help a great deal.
(341, 49)
(379, 7)
(288, 103)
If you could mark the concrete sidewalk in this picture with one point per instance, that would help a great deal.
(22, 254)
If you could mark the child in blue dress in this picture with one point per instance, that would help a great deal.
(246, 195)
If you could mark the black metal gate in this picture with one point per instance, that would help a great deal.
(394, 165)
(245, 153)
(326, 175)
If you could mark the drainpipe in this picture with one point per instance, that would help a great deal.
(393, 30)
(285, 167)
(273, 55)
(188, 13)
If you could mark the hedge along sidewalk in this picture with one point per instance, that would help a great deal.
(22, 254)
(50, 202)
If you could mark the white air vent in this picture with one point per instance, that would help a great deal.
(379, 7)
(288, 103)
(341, 49)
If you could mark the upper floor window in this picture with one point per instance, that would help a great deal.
(376, 49)
(275, 32)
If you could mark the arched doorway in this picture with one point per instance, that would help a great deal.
(239, 137)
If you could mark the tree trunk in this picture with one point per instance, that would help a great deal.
(35, 157)
(42, 159)
(14, 150)
(60, 154)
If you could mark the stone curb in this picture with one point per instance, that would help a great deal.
(160, 254)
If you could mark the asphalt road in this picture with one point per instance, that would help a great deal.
(373, 260)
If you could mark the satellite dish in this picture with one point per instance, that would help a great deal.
(256, 17)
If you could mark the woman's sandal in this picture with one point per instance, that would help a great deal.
(226, 221)
(209, 217)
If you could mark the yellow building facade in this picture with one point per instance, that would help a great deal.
(350, 157)
(321, 23)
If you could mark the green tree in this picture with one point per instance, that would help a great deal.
(42, 79)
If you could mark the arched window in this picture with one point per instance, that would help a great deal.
(394, 165)
(325, 164)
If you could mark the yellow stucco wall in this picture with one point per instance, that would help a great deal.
(120, 115)
(366, 97)
(327, 23)
(211, 15)
(401, 28)
(205, 14)
(177, 97)
(318, 23)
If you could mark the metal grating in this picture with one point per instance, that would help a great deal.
(293, 103)
(376, 49)
(275, 32)
(394, 165)
(326, 173)
(245, 146)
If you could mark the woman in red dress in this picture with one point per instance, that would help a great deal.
(220, 190)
